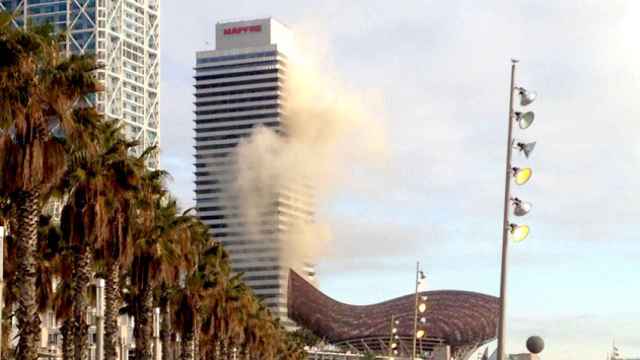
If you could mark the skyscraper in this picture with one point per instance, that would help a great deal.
(124, 37)
(240, 86)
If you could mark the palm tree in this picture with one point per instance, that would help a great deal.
(212, 326)
(151, 248)
(85, 222)
(199, 288)
(182, 282)
(55, 265)
(121, 175)
(40, 90)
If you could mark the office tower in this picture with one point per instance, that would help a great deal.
(124, 37)
(240, 86)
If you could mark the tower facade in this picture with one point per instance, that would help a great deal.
(124, 37)
(239, 87)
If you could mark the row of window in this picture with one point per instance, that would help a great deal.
(237, 101)
(221, 165)
(208, 191)
(255, 258)
(238, 118)
(235, 57)
(253, 250)
(270, 124)
(215, 147)
(260, 277)
(266, 287)
(257, 268)
(238, 92)
(243, 65)
(238, 109)
(237, 83)
(236, 74)
(221, 137)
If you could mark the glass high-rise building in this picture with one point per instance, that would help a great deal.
(238, 87)
(124, 37)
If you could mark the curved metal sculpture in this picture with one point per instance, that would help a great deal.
(464, 320)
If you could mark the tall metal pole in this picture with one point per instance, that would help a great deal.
(415, 314)
(505, 222)
(100, 319)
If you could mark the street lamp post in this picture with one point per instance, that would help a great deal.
(100, 319)
(521, 176)
(157, 352)
(419, 307)
(415, 314)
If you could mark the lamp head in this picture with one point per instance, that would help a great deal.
(525, 120)
(520, 208)
(522, 175)
(526, 148)
(526, 97)
(422, 307)
(518, 232)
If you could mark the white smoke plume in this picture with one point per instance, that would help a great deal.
(326, 129)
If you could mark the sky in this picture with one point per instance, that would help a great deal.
(437, 74)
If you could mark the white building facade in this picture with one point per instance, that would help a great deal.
(239, 86)
(124, 36)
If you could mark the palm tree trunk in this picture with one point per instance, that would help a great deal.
(196, 338)
(80, 284)
(67, 340)
(112, 309)
(187, 347)
(142, 330)
(28, 205)
(165, 334)
(6, 332)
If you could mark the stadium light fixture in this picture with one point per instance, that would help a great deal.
(526, 148)
(520, 208)
(521, 175)
(526, 96)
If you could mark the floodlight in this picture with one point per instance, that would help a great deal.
(524, 120)
(394, 345)
(423, 320)
(526, 148)
(420, 334)
(520, 208)
(526, 97)
(394, 330)
(519, 232)
(424, 297)
(522, 175)
(422, 307)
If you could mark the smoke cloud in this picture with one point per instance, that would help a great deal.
(326, 128)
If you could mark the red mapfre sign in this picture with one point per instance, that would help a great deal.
(243, 30)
